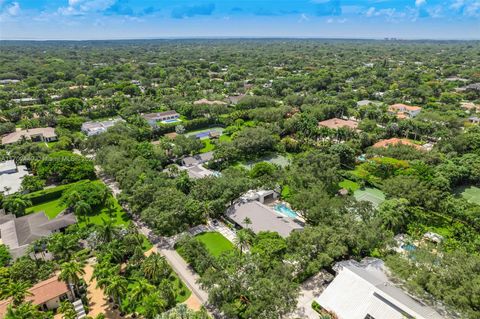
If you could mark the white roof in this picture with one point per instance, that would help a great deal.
(13, 181)
(359, 290)
(7, 166)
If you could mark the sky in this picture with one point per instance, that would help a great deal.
(131, 19)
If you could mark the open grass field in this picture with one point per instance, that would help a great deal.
(215, 242)
(97, 217)
(369, 194)
(349, 185)
(276, 159)
(470, 193)
(51, 208)
(208, 146)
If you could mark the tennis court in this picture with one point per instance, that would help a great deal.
(470, 193)
(203, 134)
(369, 194)
(276, 159)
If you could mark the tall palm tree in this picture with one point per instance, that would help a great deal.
(66, 308)
(25, 310)
(70, 272)
(16, 204)
(82, 208)
(107, 230)
(117, 288)
(153, 305)
(243, 239)
(140, 290)
(155, 268)
(17, 290)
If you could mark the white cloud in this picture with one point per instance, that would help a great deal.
(304, 18)
(80, 7)
(469, 8)
(13, 9)
(370, 12)
(419, 3)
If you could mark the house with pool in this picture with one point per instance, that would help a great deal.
(261, 211)
(164, 117)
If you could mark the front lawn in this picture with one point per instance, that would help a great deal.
(117, 214)
(349, 185)
(216, 243)
(51, 208)
(208, 146)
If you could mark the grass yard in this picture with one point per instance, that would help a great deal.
(470, 193)
(369, 194)
(225, 138)
(276, 159)
(215, 242)
(208, 146)
(349, 185)
(117, 214)
(51, 208)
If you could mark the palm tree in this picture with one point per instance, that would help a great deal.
(153, 305)
(25, 310)
(140, 290)
(17, 290)
(117, 288)
(82, 208)
(107, 230)
(247, 221)
(16, 204)
(243, 239)
(66, 308)
(155, 268)
(70, 272)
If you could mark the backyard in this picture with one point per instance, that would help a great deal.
(216, 243)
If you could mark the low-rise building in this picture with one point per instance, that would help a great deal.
(41, 134)
(11, 177)
(197, 159)
(394, 142)
(337, 123)
(208, 102)
(259, 217)
(364, 291)
(26, 101)
(47, 295)
(17, 233)
(404, 111)
(98, 127)
(153, 118)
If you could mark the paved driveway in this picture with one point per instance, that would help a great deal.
(309, 291)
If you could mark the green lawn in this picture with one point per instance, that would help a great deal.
(225, 138)
(470, 193)
(215, 242)
(349, 185)
(208, 146)
(51, 208)
(96, 218)
(369, 194)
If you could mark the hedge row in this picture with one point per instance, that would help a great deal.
(49, 194)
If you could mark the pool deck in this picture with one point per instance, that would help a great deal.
(272, 203)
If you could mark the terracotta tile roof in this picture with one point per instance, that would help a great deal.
(337, 123)
(42, 292)
(395, 141)
(400, 107)
(46, 132)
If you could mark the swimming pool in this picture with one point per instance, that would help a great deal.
(285, 210)
(409, 247)
(171, 121)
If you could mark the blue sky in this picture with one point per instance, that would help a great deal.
(121, 19)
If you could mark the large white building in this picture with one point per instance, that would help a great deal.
(363, 291)
(11, 177)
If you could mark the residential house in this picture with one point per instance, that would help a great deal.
(26, 101)
(363, 291)
(11, 177)
(259, 217)
(364, 102)
(337, 123)
(97, 127)
(44, 134)
(153, 118)
(394, 142)
(197, 159)
(208, 102)
(474, 119)
(47, 295)
(404, 111)
(9, 81)
(17, 233)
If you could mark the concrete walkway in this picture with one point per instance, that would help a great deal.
(310, 290)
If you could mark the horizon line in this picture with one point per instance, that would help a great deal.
(392, 38)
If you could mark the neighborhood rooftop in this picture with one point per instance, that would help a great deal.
(45, 134)
(363, 290)
(18, 233)
(337, 123)
(262, 218)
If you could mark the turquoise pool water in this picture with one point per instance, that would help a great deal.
(409, 247)
(171, 121)
(284, 210)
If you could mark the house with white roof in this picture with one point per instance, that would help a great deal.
(363, 291)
